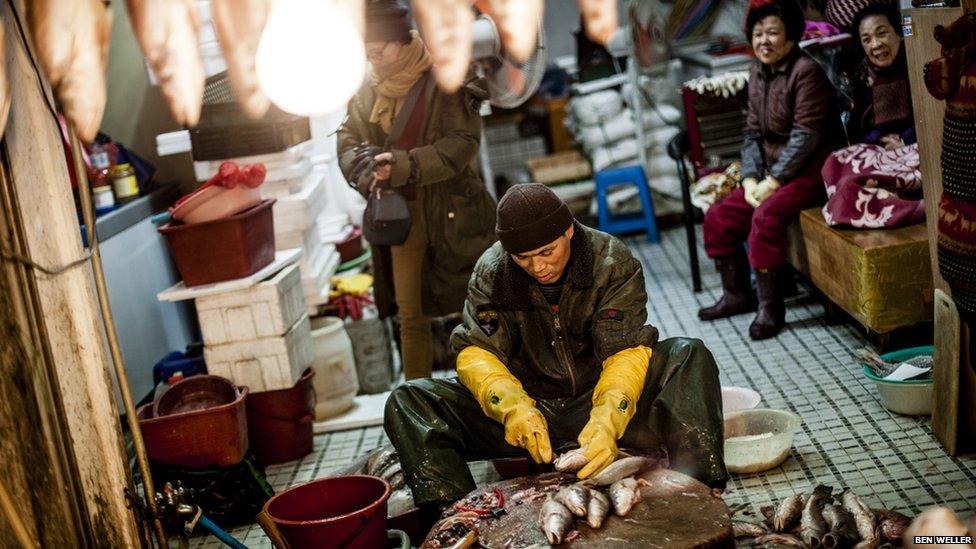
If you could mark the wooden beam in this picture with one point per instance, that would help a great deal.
(66, 302)
(954, 409)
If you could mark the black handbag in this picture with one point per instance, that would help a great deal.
(386, 221)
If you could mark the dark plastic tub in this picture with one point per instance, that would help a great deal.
(347, 512)
(351, 247)
(196, 393)
(210, 437)
(223, 249)
(279, 422)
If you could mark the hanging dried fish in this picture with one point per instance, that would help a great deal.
(4, 87)
(167, 33)
(239, 25)
(71, 38)
(599, 19)
(518, 24)
(447, 33)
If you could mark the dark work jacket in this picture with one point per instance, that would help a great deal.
(459, 212)
(602, 310)
(794, 120)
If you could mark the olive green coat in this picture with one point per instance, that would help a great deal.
(460, 213)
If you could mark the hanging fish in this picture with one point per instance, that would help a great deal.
(239, 25)
(4, 87)
(71, 38)
(518, 24)
(167, 33)
(447, 33)
(599, 19)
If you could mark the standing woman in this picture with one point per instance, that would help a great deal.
(431, 162)
(793, 124)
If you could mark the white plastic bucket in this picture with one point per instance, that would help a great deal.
(335, 380)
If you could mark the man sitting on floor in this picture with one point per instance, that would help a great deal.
(553, 352)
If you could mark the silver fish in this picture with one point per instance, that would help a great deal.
(571, 461)
(597, 509)
(863, 518)
(622, 468)
(624, 494)
(555, 520)
(812, 523)
(779, 539)
(575, 497)
(787, 513)
(841, 529)
(743, 529)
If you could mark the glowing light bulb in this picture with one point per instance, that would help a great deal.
(310, 59)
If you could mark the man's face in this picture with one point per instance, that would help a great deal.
(382, 54)
(880, 40)
(769, 40)
(547, 263)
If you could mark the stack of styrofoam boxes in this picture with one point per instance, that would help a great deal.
(301, 195)
(259, 336)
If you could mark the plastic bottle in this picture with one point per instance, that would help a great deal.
(162, 387)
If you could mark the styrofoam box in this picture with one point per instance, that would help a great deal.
(298, 211)
(323, 267)
(204, 171)
(306, 240)
(283, 188)
(267, 309)
(271, 161)
(265, 364)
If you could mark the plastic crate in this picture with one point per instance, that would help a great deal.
(256, 137)
(223, 249)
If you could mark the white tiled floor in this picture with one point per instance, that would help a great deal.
(847, 440)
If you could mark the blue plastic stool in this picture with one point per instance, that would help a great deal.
(627, 223)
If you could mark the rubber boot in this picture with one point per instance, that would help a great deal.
(771, 316)
(737, 296)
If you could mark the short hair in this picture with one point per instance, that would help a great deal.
(879, 8)
(787, 10)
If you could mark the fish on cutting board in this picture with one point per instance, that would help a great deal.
(239, 25)
(167, 33)
(71, 39)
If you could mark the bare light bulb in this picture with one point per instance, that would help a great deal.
(310, 59)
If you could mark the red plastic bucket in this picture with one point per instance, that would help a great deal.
(347, 512)
(279, 422)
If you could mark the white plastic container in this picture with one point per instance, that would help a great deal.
(298, 212)
(335, 379)
(374, 356)
(265, 364)
(268, 309)
(758, 440)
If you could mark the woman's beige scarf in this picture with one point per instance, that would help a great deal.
(396, 80)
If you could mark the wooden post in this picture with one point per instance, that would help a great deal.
(73, 339)
(955, 406)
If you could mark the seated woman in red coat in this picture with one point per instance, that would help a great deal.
(793, 124)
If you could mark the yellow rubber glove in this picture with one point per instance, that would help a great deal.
(357, 284)
(614, 403)
(749, 186)
(763, 190)
(503, 399)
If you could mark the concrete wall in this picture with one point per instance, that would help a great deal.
(136, 111)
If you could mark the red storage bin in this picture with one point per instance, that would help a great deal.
(191, 436)
(223, 249)
(352, 246)
(280, 422)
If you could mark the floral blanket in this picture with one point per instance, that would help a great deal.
(869, 187)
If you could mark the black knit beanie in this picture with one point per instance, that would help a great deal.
(530, 216)
(387, 21)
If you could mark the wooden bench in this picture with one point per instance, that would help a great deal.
(881, 277)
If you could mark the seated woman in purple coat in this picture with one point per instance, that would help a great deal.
(793, 124)
(876, 182)
(882, 113)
